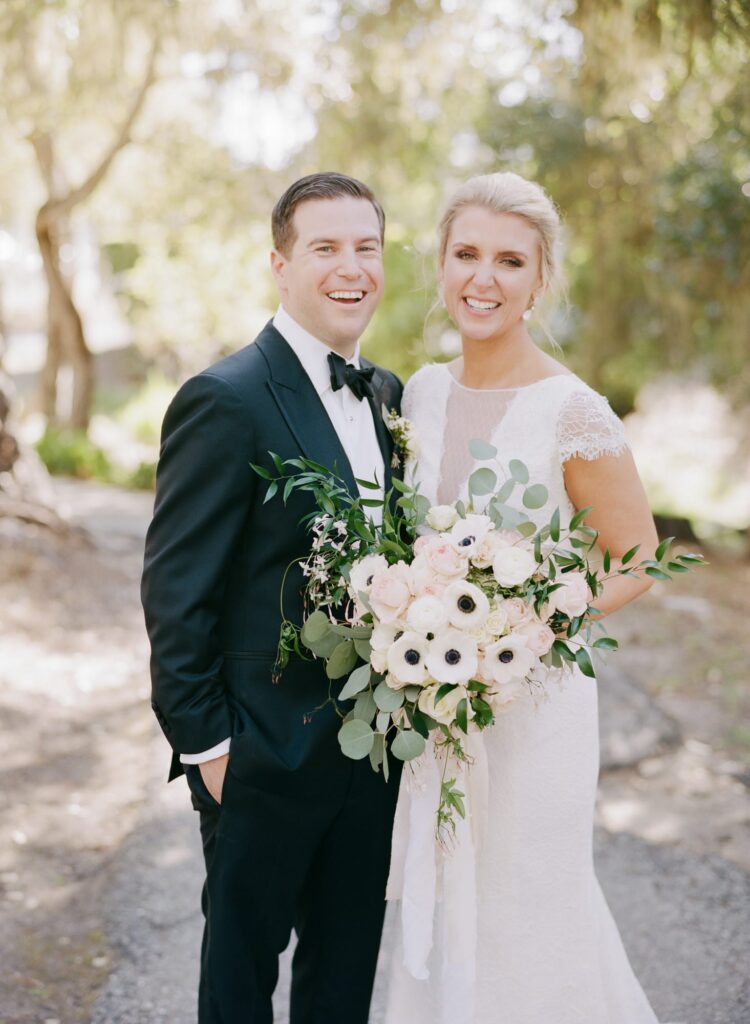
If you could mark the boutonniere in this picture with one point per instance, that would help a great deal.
(405, 444)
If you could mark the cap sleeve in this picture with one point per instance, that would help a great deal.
(588, 428)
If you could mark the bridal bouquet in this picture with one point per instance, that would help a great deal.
(438, 633)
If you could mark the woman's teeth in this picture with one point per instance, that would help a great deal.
(478, 304)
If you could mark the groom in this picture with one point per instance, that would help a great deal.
(295, 835)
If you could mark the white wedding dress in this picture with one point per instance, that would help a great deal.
(511, 926)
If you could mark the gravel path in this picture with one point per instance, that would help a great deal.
(684, 921)
(115, 854)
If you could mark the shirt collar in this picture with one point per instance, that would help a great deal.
(312, 353)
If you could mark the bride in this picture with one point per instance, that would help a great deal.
(510, 926)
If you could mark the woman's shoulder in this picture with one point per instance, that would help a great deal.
(587, 426)
(425, 379)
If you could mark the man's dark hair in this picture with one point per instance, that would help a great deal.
(322, 185)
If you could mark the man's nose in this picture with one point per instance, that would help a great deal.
(348, 263)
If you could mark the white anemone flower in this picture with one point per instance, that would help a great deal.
(466, 604)
(507, 659)
(406, 660)
(427, 614)
(452, 657)
(362, 572)
(383, 637)
(469, 533)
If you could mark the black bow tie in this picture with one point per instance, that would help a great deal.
(344, 373)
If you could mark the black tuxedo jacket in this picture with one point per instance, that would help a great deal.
(215, 559)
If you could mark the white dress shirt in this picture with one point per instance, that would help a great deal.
(352, 420)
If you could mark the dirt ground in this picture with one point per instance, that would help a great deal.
(75, 726)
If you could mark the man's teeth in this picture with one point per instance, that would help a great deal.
(477, 304)
(346, 295)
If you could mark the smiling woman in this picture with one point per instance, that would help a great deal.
(526, 892)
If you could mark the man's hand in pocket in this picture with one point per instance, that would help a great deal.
(212, 773)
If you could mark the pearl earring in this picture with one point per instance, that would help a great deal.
(529, 311)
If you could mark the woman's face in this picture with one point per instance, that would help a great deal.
(491, 270)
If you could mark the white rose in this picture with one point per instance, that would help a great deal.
(485, 550)
(389, 592)
(441, 517)
(497, 620)
(572, 597)
(445, 710)
(538, 636)
(513, 566)
(427, 614)
(516, 611)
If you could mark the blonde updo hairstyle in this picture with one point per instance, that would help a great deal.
(506, 192)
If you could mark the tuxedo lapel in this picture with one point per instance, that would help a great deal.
(301, 407)
(385, 441)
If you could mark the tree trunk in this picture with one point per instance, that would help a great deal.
(66, 341)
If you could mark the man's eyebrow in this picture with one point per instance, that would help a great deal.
(337, 241)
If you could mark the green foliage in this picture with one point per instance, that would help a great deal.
(71, 453)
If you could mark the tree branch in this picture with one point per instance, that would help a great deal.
(55, 208)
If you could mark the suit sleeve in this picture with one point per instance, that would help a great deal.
(204, 491)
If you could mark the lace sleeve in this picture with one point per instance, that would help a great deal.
(588, 428)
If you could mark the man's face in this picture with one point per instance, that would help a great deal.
(332, 279)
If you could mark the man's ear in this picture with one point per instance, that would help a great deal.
(278, 268)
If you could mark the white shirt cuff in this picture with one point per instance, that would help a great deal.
(207, 755)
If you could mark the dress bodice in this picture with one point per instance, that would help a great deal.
(543, 424)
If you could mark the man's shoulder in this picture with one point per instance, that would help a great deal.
(242, 370)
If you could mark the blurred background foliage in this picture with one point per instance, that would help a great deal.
(145, 144)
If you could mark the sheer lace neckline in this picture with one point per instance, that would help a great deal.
(494, 391)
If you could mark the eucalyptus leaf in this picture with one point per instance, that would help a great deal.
(315, 627)
(526, 529)
(354, 632)
(325, 647)
(386, 698)
(356, 739)
(506, 490)
(512, 517)
(342, 660)
(407, 745)
(383, 721)
(356, 682)
(363, 649)
(482, 449)
(378, 752)
(482, 481)
(412, 692)
(519, 471)
(535, 496)
(365, 707)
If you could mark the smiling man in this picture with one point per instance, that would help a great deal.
(290, 828)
